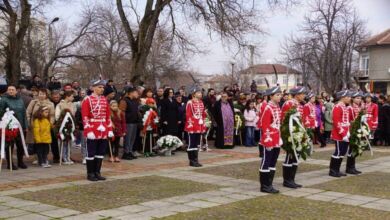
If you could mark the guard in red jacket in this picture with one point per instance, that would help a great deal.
(372, 113)
(195, 125)
(95, 112)
(261, 111)
(270, 139)
(356, 104)
(309, 113)
(290, 165)
(355, 108)
(340, 132)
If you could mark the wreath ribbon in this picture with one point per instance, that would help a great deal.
(9, 118)
(151, 115)
(294, 117)
(363, 121)
(67, 117)
(238, 124)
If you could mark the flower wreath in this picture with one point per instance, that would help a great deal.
(360, 133)
(295, 138)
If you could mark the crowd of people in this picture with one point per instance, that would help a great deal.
(52, 119)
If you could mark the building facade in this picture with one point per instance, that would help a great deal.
(273, 74)
(374, 63)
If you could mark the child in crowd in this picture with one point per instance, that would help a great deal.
(119, 127)
(42, 135)
(80, 129)
(250, 123)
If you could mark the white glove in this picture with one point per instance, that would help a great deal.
(346, 139)
(91, 135)
(110, 134)
(348, 135)
(62, 136)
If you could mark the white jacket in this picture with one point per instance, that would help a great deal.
(251, 118)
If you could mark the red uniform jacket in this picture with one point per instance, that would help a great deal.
(354, 111)
(270, 126)
(262, 108)
(372, 115)
(292, 103)
(96, 116)
(195, 117)
(341, 122)
(309, 116)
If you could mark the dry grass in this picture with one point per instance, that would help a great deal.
(281, 207)
(117, 193)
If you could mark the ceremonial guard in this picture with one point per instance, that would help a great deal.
(309, 114)
(195, 126)
(270, 140)
(372, 113)
(354, 109)
(290, 165)
(261, 111)
(97, 129)
(356, 104)
(340, 132)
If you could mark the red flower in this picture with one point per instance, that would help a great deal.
(11, 134)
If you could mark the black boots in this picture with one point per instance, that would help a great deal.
(20, 154)
(91, 170)
(193, 158)
(351, 168)
(98, 166)
(289, 177)
(294, 171)
(266, 179)
(334, 167)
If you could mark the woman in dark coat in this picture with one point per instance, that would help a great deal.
(169, 113)
(223, 113)
(386, 121)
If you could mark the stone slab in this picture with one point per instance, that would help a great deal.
(201, 204)
(134, 208)
(60, 213)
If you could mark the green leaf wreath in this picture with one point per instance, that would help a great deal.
(360, 132)
(300, 137)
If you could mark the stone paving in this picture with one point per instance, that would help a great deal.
(232, 190)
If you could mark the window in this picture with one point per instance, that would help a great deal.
(274, 81)
(364, 64)
(285, 80)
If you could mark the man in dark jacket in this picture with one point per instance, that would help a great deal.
(53, 84)
(13, 102)
(130, 106)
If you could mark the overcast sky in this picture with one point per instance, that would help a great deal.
(278, 26)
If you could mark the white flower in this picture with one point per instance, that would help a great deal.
(359, 135)
(359, 130)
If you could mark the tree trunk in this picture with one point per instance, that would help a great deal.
(15, 41)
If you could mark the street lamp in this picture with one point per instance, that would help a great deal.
(55, 20)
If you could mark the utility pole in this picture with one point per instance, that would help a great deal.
(232, 73)
(51, 46)
(252, 53)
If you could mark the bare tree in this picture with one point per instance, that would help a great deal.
(63, 47)
(17, 16)
(329, 34)
(106, 42)
(231, 20)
